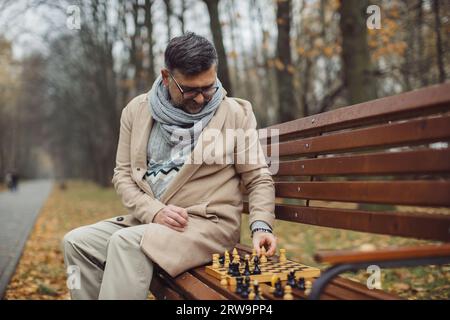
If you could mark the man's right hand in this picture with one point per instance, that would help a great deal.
(173, 217)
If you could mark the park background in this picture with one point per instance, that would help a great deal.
(64, 79)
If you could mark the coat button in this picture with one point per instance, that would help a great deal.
(138, 169)
(119, 218)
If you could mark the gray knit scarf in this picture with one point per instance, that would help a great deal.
(179, 128)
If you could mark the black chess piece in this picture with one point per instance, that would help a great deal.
(222, 260)
(301, 284)
(245, 289)
(239, 285)
(236, 271)
(291, 279)
(256, 268)
(244, 293)
(230, 268)
(247, 268)
(257, 293)
(279, 291)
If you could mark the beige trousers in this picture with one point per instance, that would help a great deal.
(110, 262)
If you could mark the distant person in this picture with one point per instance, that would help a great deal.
(14, 181)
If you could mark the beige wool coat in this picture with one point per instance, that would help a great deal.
(210, 192)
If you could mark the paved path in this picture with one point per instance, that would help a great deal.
(18, 212)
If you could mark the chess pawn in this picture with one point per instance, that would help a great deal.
(282, 255)
(288, 293)
(216, 264)
(308, 286)
(253, 253)
(226, 255)
(227, 262)
(223, 280)
(251, 295)
(263, 258)
(273, 281)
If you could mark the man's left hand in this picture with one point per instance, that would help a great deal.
(266, 240)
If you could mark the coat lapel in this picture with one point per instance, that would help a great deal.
(144, 123)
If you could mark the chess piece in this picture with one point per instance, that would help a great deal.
(236, 257)
(279, 292)
(239, 285)
(226, 264)
(291, 279)
(216, 264)
(263, 258)
(251, 295)
(253, 253)
(245, 288)
(230, 268)
(288, 293)
(301, 284)
(223, 280)
(247, 281)
(245, 292)
(236, 271)
(256, 269)
(282, 255)
(257, 295)
(273, 280)
(308, 286)
(247, 267)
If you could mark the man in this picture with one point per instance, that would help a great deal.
(181, 210)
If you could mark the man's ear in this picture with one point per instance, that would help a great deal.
(165, 76)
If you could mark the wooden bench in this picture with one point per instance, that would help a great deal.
(387, 152)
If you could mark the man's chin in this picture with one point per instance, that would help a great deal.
(193, 110)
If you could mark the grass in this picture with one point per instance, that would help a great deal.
(41, 275)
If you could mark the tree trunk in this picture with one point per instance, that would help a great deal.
(287, 106)
(151, 58)
(168, 5)
(216, 29)
(439, 49)
(358, 78)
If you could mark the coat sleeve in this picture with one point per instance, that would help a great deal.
(138, 203)
(251, 165)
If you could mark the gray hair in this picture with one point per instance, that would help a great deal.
(190, 54)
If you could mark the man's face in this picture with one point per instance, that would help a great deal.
(202, 80)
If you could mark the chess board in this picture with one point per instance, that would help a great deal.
(268, 269)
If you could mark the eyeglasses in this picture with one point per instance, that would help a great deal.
(207, 92)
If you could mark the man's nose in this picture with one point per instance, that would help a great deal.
(199, 98)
